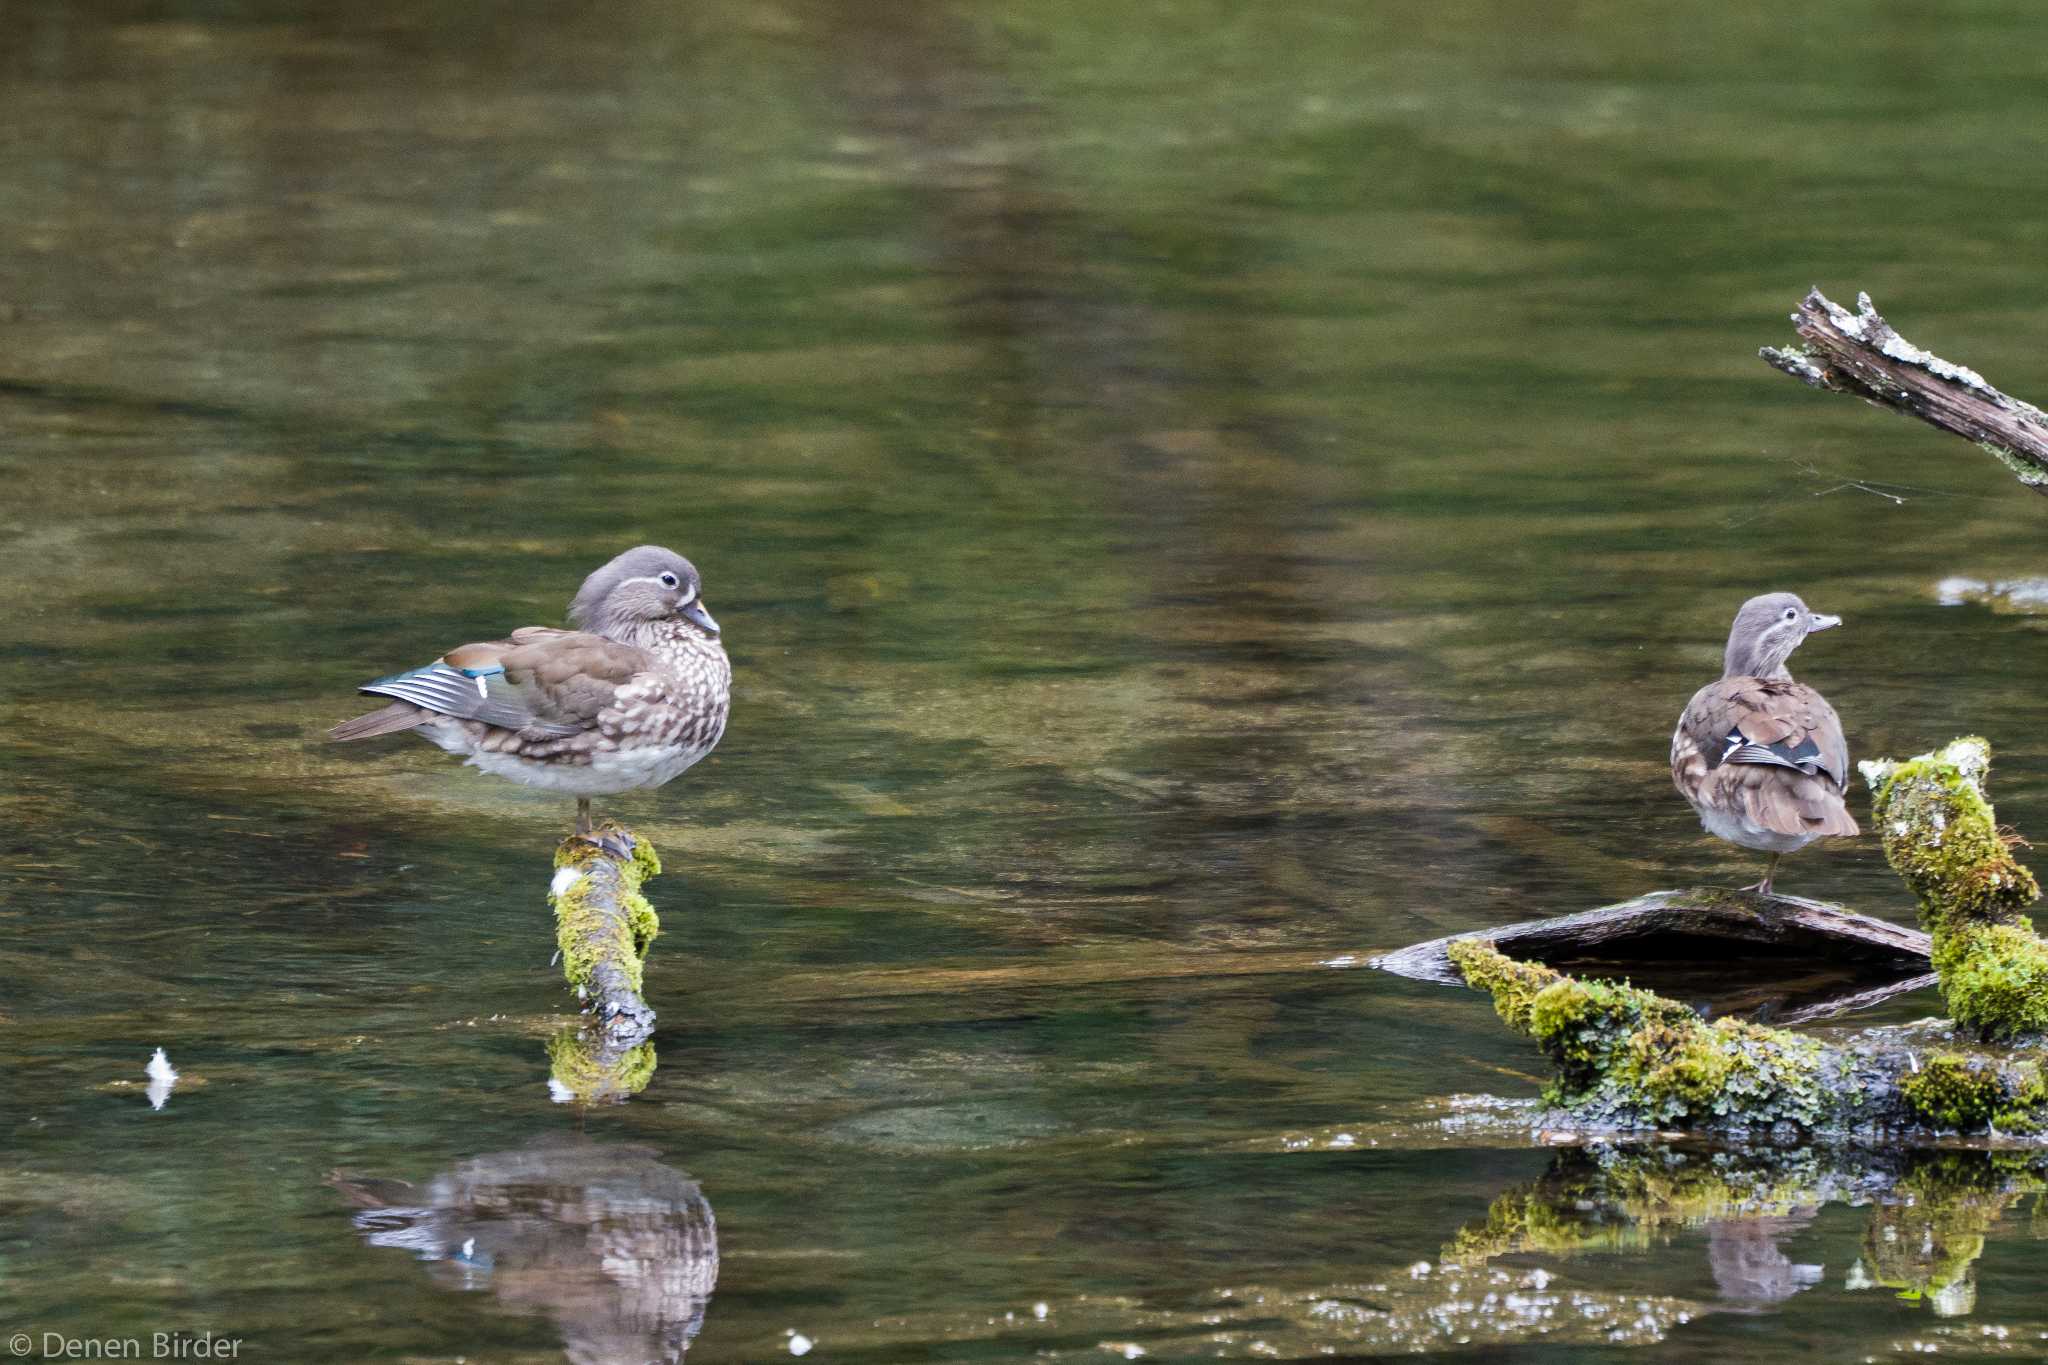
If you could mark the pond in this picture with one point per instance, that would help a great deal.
(1196, 494)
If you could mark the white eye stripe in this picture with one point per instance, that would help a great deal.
(664, 580)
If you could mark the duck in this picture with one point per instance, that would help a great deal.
(631, 698)
(1759, 756)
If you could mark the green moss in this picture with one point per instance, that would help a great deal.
(1994, 978)
(588, 1070)
(1941, 836)
(1971, 1094)
(1513, 985)
(1679, 1070)
(1631, 1057)
(589, 934)
(1954, 1091)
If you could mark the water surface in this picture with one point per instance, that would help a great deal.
(1193, 493)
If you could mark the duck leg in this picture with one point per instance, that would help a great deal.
(1763, 888)
(612, 839)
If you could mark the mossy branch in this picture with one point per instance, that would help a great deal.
(604, 928)
(1859, 354)
(1941, 835)
(1630, 1058)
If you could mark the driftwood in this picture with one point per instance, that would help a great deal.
(1859, 354)
(1799, 959)
(1630, 1058)
(604, 927)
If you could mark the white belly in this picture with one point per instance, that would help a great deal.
(620, 772)
(1737, 830)
(616, 770)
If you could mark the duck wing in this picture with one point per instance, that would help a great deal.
(543, 683)
(1768, 749)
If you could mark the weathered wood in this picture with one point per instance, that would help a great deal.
(1667, 938)
(1859, 354)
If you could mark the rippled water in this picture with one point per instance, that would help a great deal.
(1196, 494)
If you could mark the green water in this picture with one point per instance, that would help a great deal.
(1194, 492)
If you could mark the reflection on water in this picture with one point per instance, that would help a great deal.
(619, 1250)
(1928, 1214)
(587, 1067)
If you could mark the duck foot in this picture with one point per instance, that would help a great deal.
(1763, 888)
(611, 839)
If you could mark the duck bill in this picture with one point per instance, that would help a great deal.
(701, 619)
(1821, 622)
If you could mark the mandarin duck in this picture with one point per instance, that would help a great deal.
(1760, 757)
(631, 699)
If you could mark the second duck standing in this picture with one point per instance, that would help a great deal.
(1760, 757)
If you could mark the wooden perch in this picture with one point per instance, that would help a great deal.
(1628, 1058)
(1859, 354)
(604, 927)
(1800, 959)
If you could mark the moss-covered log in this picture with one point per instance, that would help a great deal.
(604, 928)
(1859, 354)
(1630, 1058)
(1941, 836)
(1627, 1058)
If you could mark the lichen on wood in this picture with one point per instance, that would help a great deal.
(604, 927)
(1859, 354)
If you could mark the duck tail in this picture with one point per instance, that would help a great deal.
(400, 715)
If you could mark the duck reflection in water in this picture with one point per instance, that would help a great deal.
(618, 1249)
(1930, 1214)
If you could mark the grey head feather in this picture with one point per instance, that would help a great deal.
(628, 591)
(1766, 631)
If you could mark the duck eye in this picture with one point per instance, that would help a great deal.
(669, 580)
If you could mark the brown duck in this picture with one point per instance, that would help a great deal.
(1759, 756)
(629, 701)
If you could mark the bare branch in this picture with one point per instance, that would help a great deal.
(1859, 354)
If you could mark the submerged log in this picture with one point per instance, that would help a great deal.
(604, 927)
(1800, 959)
(1628, 1058)
(1859, 354)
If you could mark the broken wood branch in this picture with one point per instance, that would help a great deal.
(1859, 354)
(1800, 959)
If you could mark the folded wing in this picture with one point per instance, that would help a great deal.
(1767, 751)
(542, 683)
